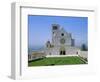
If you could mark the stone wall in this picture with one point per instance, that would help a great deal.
(36, 55)
(83, 54)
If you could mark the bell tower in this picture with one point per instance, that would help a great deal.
(55, 30)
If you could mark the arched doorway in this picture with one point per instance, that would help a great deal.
(62, 51)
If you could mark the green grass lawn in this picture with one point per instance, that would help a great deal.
(50, 61)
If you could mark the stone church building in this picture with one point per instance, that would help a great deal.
(62, 42)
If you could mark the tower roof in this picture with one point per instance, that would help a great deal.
(55, 24)
(48, 41)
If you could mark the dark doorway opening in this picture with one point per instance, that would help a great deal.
(62, 52)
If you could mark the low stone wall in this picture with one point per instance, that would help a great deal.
(36, 55)
(61, 55)
(83, 54)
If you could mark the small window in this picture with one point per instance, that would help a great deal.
(55, 27)
(62, 34)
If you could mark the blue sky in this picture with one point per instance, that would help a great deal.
(39, 29)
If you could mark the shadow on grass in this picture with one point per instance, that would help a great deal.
(50, 65)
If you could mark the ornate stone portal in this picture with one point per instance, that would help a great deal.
(62, 42)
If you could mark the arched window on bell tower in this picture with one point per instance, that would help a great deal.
(48, 44)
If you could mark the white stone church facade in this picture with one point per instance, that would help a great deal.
(62, 43)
